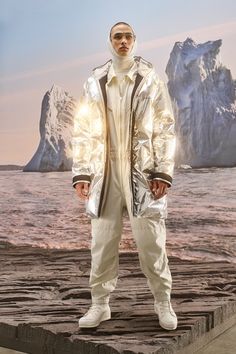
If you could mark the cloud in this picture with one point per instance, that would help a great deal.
(211, 33)
(20, 96)
(55, 68)
(205, 33)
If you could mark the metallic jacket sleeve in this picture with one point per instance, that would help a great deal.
(81, 140)
(164, 140)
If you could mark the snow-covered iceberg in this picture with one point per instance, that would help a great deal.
(54, 152)
(204, 96)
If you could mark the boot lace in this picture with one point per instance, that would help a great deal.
(94, 310)
(164, 307)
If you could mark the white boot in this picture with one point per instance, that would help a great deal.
(95, 315)
(166, 315)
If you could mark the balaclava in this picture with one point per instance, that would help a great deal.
(122, 63)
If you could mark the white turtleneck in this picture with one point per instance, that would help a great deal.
(122, 64)
(121, 79)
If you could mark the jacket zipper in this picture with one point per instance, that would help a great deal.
(138, 80)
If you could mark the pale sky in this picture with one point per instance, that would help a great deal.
(46, 42)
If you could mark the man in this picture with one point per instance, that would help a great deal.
(123, 150)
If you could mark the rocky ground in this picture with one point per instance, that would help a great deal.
(44, 292)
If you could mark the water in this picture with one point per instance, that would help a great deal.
(42, 209)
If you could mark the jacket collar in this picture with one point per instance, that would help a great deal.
(143, 68)
(101, 73)
(131, 74)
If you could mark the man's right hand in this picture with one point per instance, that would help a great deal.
(82, 189)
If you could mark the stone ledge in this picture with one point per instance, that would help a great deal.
(44, 292)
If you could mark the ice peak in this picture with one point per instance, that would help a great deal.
(55, 88)
(205, 100)
(56, 125)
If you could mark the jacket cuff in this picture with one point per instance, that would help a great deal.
(80, 178)
(162, 177)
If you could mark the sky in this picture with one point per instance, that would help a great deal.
(46, 42)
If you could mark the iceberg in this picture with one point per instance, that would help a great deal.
(203, 94)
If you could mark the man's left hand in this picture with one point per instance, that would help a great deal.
(158, 188)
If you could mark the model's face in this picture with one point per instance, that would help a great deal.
(122, 39)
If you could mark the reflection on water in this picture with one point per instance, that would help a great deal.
(41, 209)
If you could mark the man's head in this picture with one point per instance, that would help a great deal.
(122, 38)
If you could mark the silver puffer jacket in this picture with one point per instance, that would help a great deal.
(152, 140)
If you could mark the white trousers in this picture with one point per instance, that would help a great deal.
(149, 234)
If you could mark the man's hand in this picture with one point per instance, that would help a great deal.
(82, 189)
(158, 188)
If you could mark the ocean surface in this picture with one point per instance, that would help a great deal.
(42, 209)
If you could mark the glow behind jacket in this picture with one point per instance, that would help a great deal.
(152, 140)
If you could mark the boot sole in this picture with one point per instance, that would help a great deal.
(105, 317)
(168, 328)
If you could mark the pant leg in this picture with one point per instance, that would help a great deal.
(106, 235)
(150, 237)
